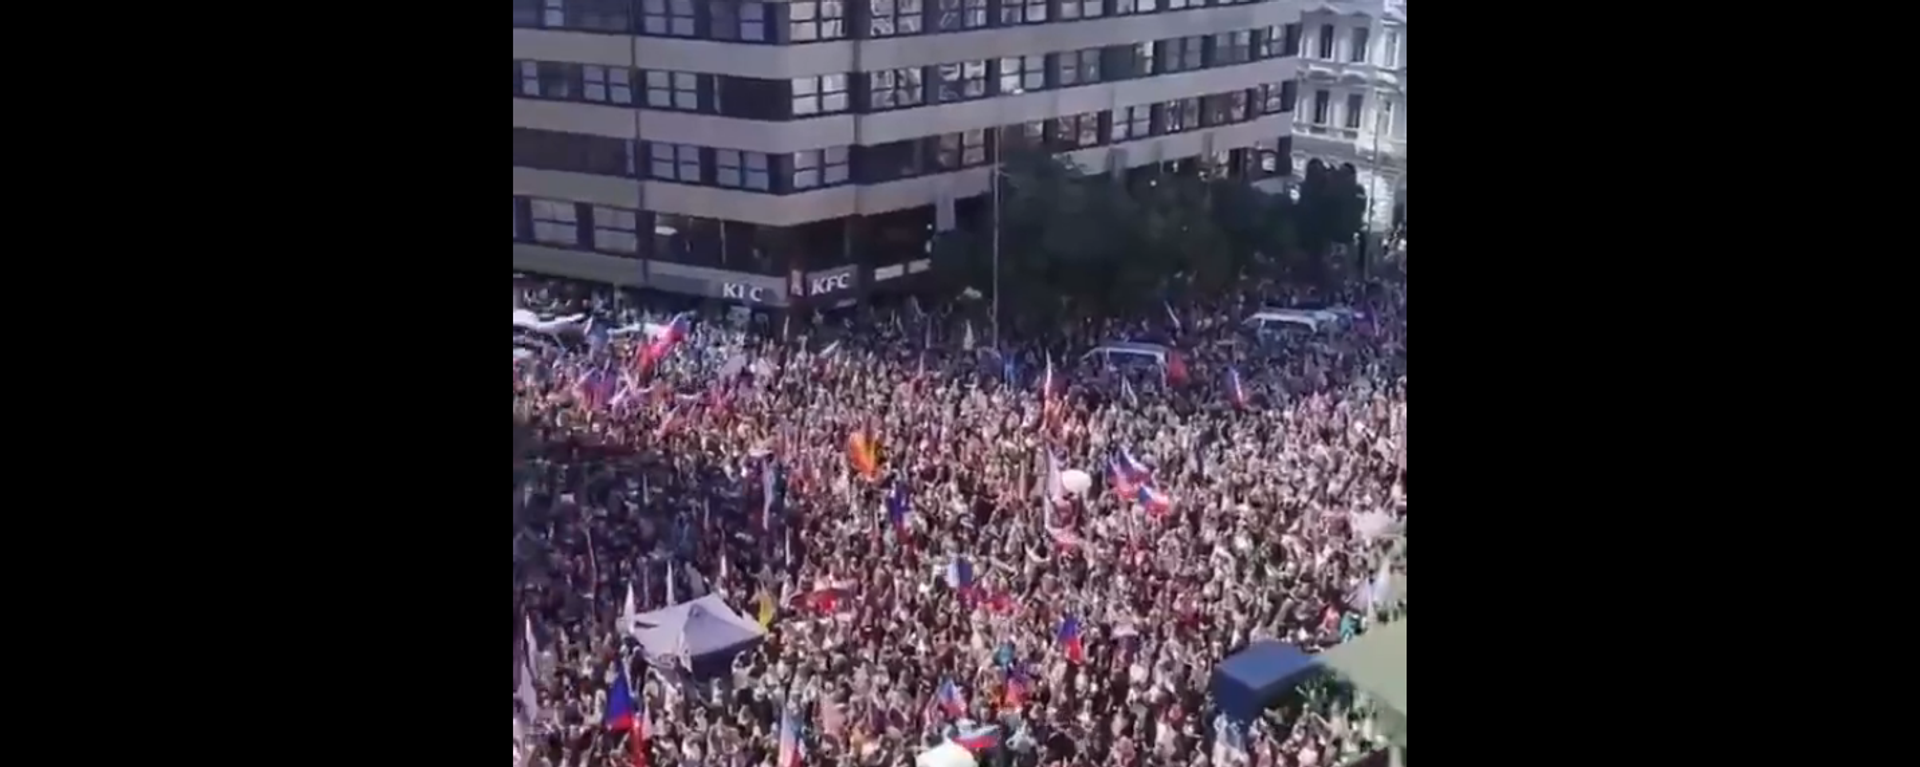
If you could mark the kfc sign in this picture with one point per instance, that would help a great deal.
(753, 294)
(824, 283)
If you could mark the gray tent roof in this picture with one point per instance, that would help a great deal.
(693, 629)
(1376, 662)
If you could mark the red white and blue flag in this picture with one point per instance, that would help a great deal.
(792, 751)
(1069, 638)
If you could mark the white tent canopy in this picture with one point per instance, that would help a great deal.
(948, 754)
(690, 630)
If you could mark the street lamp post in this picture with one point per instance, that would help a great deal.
(993, 178)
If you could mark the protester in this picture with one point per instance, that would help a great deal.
(961, 584)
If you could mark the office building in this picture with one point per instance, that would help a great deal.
(796, 153)
(1353, 65)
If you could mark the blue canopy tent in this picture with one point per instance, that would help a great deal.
(1248, 681)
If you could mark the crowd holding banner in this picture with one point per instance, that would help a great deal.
(1031, 552)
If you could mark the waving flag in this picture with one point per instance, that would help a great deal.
(898, 506)
(1121, 480)
(863, 454)
(792, 751)
(949, 698)
(1236, 393)
(1055, 489)
(966, 339)
(1126, 393)
(978, 739)
(1069, 638)
(769, 490)
(1155, 502)
(1172, 317)
(765, 610)
(669, 338)
(960, 574)
(1136, 470)
(621, 711)
(1019, 686)
(1176, 369)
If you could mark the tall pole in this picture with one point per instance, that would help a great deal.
(993, 177)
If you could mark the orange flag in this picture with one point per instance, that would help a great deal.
(863, 454)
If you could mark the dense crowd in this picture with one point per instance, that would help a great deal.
(1278, 461)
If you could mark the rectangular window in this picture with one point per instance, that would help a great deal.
(1180, 5)
(607, 85)
(1077, 131)
(1023, 11)
(742, 170)
(963, 81)
(1356, 106)
(555, 222)
(888, 18)
(1079, 67)
(1179, 116)
(895, 88)
(675, 162)
(1233, 48)
(526, 78)
(592, 15)
(1132, 123)
(1291, 46)
(956, 15)
(615, 230)
(1081, 9)
(1020, 74)
(811, 20)
(1270, 98)
(744, 20)
(673, 90)
(666, 18)
(961, 150)
(1027, 135)
(526, 13)
(545, 79)
(1180, 54)
(1131, 7)
(823, 95)
(820, 167)
(1357, 48)
(1144, 58)
(1326, 42)
(1392, 56)
(1322, 100)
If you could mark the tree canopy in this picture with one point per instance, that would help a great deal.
(1079, 243)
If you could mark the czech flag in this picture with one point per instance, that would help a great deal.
(949, 698)
(1018, 686)
(1120, 481)
(960, 575)
(621, 711)
(978, 739)
(898, 506)
(863, 454)
(1176, 369)
(1235, 392)
(1154, 501)
(792, 751)
(1070, 640)
(675, 332)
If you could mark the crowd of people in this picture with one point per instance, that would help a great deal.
(956, 582)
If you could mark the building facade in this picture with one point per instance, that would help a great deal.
(1353, 93)
(797, 153)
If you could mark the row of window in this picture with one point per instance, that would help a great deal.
(802, 97)
(1354, 114)
(750, 248)
(634, 233)
(1356, 50)
(805, 21)
(833, 166)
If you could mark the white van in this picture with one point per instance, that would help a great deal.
(1267, 320)
(1129, 350)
